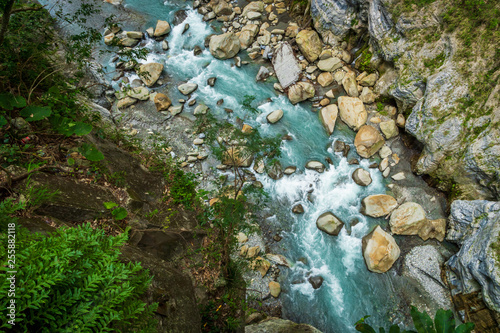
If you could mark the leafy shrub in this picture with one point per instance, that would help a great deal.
(444, 322)
(72, 281)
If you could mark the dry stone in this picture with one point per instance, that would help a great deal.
(352, 112)
(378, 205)
(368, 141)
(309, 44)
(328, 116)
(407, 219)
(380, 250)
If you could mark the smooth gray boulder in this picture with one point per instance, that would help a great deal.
(277, 325)
(475, 225)
(285, 65)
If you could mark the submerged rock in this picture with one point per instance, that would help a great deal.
(380, 250)
(315, 281)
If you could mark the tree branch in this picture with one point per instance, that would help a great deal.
(26, 9)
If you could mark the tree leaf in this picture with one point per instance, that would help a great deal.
(110, 204)
(422, 321)
(119, 213)
(3, 121)
(465, 328)
(364, 328)
(9, 101)
(444, 321)
(91, 153)
(82, 128)
(35, 113)
(394, 329)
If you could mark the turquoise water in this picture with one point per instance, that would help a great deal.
(349, 291)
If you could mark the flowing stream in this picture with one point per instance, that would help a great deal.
(349, 290)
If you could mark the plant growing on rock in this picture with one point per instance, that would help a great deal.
(444, 322)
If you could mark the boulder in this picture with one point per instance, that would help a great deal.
(141, 93)
(262, 265)
(315, 281)
(389, 128)
(253, 15)
(361, 177)
(368, 81)
(135, 34)
(162, 28)
(187, 88)
(162, 102)
(254, 6)
(368, 141)
(252, 251)
(262, 74)
(329, 223)
(175, 110)
(274, 288)
(309, 44)
(290, 170)
(352, 112)
(247, 35)
(433, 229)
(367, 96)
(201, 109)
(380, 250)
(224, 46)
(407, 219)
(315, 165)
(274, 171)
(150, 73)
(128, 42)
(242, 238)
(125, 102)
(278, 325)
(211, 81)
(378, 205)
(222, 8)
(330, 64)
(325, 79)
(285, 65)
(328, 116)
(298, 209)
(350, 85)
(274, 116)
(300, 92)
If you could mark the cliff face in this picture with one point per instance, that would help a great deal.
(438, 60)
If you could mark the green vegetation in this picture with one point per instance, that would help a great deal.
(72, 281)
(436, 62)
(444, 322)
(363, 62)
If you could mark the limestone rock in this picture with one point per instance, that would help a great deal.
(162, 28)
(330, 64)
(325, 79)
(433, 229)
(201, 109)
(290, 170)
(315, 165)
(389, 128)
(368, 81)
(242, 238)
(367, 96)
(224, 46)
(262, 265)
(126, 102)
(328, 116)
(248, 34)
(380, 250)
(150, 73)
(298, 209)
(262, 74)
(141, 93)
(361, 177)
(350, 85)
(378, 205)
(162, 102)
(187, 88)
(285, 65)
(254, 6)
(407, 219)
(329, 223)
(300, 92)
(278, 325)
(368, 141)
(274, 116)
(274, 288)
(309, 44)
(352, 112)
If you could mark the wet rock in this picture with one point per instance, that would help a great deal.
(197, 50)
(298, 209)
(179, 17)
(368, 141)
(162, 102)
(315, 281)
(361, 177)
(407, 219)
(329, 223)
(300, 92)
(201, 109)
(164, 45)
(315, 165)
(274, 171)
(150, 73)
(274, 116)
(224, 46)
(379, 250)
(285, 65)
(389, 128)
(290, 170)
(187, 88)
(277, 325)
(211, 81)
(353, 161)
(328, 116)
(378, 205)
(262, 74)
(352, 112)
(162, 28)
(141, 93)
(309, 44)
